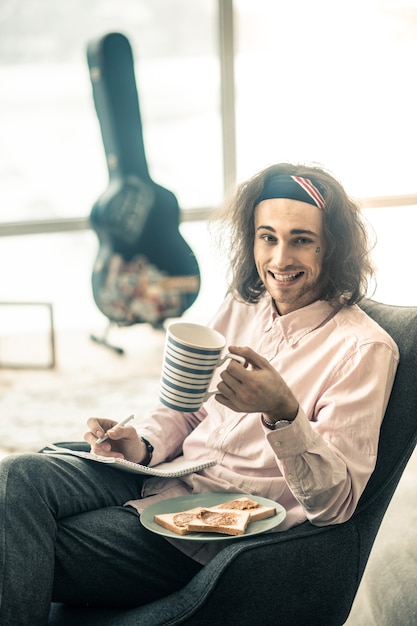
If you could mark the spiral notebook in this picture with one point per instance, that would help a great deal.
(175, 468)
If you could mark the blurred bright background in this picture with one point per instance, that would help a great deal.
(327, 82)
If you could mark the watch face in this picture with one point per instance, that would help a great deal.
(274, 425)
(281, 424)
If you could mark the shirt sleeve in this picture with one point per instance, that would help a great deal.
(166, 430)
(327, 460)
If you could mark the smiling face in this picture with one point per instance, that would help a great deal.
(288, 252)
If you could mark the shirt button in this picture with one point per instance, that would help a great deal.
(290, 476)
(221, 431)
(278, 444)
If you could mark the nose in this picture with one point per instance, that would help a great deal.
(283, 256)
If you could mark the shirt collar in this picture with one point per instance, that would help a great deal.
(296, 325)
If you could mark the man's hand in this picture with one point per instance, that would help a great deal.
(257, 387)
(123, 441)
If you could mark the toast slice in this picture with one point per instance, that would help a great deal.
(220, 521)
(229, 518)
(256, 510)
(177, 522)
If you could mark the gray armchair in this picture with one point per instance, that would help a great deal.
(306, 575)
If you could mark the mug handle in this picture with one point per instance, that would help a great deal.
(229, 355)
(235, 357)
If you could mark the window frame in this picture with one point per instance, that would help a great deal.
(226, 57)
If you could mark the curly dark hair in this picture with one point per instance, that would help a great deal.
(347, 267)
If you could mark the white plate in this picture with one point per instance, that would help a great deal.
(174, 505)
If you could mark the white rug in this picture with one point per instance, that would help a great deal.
(45, 405)
(32, 417)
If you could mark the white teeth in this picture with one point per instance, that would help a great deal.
(285, 278)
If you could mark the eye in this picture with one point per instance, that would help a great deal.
(268, 238)
(303, 241)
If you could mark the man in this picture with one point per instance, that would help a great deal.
(298, 424)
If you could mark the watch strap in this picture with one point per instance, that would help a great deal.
(149, 449)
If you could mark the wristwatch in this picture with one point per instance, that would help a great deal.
(149, 449)
(274, 425)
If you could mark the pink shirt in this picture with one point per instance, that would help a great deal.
(339, 364)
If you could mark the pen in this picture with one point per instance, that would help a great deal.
(122, 423)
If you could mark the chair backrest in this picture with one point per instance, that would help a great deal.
(306, 575)
(399, 429)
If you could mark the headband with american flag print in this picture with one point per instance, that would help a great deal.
(293, 188)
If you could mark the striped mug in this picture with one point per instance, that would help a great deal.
(192, 353)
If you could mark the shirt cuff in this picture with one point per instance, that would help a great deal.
(291, 440)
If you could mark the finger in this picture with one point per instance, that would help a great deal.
(99, 426)
(92, 438)
(121, 432)
(232, 378)
(95, 428)
(253, 358)
(104, 449)
(228, 400)
(225, 390)
(235, 375)
(89, 437)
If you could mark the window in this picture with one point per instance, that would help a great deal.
(330, 82)
(320, 81)
(323, 81)
(52, 159)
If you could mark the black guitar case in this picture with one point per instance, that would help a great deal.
(145, 271)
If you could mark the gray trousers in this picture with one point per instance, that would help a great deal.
(66, 537)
